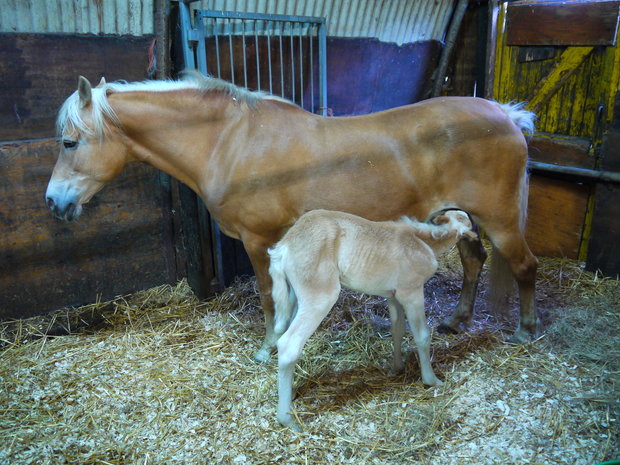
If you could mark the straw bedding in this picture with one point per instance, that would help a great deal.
(161, 378)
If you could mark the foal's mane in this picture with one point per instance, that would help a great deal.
(103, 115)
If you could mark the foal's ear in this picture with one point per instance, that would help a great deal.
(102, 82)
(441, 219)
(470, 235)
(84, 91)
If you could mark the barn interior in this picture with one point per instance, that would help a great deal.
(127, 336)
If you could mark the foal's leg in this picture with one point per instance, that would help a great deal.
(473, 256)
(413, 303)
(397, 318)
(310, 312)
(257, 251)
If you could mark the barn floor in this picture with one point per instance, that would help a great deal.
(158, 377)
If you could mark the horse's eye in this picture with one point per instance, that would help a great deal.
(69, 144)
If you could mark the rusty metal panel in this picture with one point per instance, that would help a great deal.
(119, 17)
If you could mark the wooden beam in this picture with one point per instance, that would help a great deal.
(562, 23)
(569, 62)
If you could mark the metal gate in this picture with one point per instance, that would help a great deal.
(280, 54)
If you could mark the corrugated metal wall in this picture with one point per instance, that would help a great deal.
(394, 21)
(123, 17)
(404, 21)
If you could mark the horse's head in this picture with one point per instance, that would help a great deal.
(92, 151)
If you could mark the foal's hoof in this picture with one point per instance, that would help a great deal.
(432, 382)
(262, 355)
(520, 337)
(289, 422)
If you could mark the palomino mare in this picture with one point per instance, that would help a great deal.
(259, 162)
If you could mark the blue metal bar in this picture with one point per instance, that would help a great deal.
(245, 63)
(301, 67)
(281, 61)
(311, 40)
(230, 49)
(323, 67)
(262, 17)
(201, 51)
(292, 59)
(257, 58)
(217, 48)
(186, 32)
(269, 60)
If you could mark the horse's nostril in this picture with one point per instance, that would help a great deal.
(50, 202)
(70, 211)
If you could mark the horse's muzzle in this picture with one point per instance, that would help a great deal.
(69, 211)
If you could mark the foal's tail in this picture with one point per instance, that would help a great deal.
(282, 293)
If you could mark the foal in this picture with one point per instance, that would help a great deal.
(325, 250)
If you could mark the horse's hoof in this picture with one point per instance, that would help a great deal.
(445, 328)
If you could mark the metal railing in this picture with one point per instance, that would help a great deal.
(280, 54)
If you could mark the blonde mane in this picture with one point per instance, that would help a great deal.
(103, 115)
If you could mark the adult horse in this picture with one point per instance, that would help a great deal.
(259, 162)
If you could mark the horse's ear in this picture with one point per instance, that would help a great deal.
(102, 82)
(84, 91)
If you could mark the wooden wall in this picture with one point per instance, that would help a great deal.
(569, 78)
(124, 240)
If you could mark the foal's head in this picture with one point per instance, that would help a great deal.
(457, 221)
(92, 151)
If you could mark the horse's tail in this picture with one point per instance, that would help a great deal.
(282, 293)
(523, 119)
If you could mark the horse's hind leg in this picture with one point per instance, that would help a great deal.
(473, 256)
(523, 265)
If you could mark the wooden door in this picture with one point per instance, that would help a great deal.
(561, 58)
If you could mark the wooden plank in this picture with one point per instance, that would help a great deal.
(561, 150)
(562, 23)
(39, 71)
(117, 246)
(556, 214)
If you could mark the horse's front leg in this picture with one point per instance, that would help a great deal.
(257, 251)
(473, 256)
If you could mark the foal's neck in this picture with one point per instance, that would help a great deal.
(439, 245)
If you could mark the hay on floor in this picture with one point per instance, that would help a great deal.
(159, 377)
